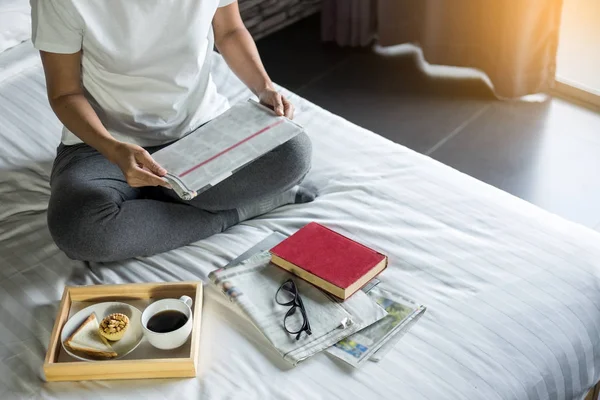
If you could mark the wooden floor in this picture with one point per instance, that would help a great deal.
(546, 153)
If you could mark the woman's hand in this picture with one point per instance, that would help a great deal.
(138, 166)
(281, 105)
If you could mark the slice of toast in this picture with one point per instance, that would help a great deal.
(87, 339)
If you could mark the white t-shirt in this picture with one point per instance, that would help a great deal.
(145, 65)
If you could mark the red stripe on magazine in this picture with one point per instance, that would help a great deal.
(255, 134)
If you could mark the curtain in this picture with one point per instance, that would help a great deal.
(513, 41)
(349, 22)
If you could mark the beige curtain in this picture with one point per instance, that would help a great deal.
(513, 41)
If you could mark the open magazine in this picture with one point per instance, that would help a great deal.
(252, 285)
(376, 340)
(221, 147)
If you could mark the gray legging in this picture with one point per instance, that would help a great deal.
(94, 215)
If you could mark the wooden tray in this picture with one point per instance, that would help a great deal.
(145, 361)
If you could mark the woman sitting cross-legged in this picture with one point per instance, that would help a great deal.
(126, 79)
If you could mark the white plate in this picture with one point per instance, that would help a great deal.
(133, 335)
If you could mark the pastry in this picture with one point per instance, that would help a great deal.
(113, 327)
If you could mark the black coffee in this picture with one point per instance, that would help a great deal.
(167, 321)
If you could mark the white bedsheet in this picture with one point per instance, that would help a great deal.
(512, 291)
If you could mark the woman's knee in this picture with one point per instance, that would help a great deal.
(79, 231)
(296, 156)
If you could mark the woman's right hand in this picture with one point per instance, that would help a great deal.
(138, 166)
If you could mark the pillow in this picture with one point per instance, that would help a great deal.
(15, 23)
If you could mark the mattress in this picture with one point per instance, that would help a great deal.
(513, 292)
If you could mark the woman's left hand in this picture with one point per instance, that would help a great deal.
(281, 105)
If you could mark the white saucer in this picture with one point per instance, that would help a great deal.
(132, 338)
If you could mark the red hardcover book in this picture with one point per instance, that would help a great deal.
(329, 260)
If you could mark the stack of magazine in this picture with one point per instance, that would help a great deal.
(364, 327)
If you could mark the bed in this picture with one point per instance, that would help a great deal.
(513, 292)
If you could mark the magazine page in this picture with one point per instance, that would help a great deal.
(252, 287)
(219, 148)
(360, 346)
(388, 345)
(264, 245)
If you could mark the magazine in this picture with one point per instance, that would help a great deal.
(252, 285)
(264, 245)
(222, 146)
(394, 339)
(361, 346)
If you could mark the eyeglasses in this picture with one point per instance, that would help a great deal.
(294, 323)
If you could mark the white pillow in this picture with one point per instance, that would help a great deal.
(15, 23)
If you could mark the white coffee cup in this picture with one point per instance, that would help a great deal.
(173, 339)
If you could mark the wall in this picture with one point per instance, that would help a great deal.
(263, 17)
(579, 47)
